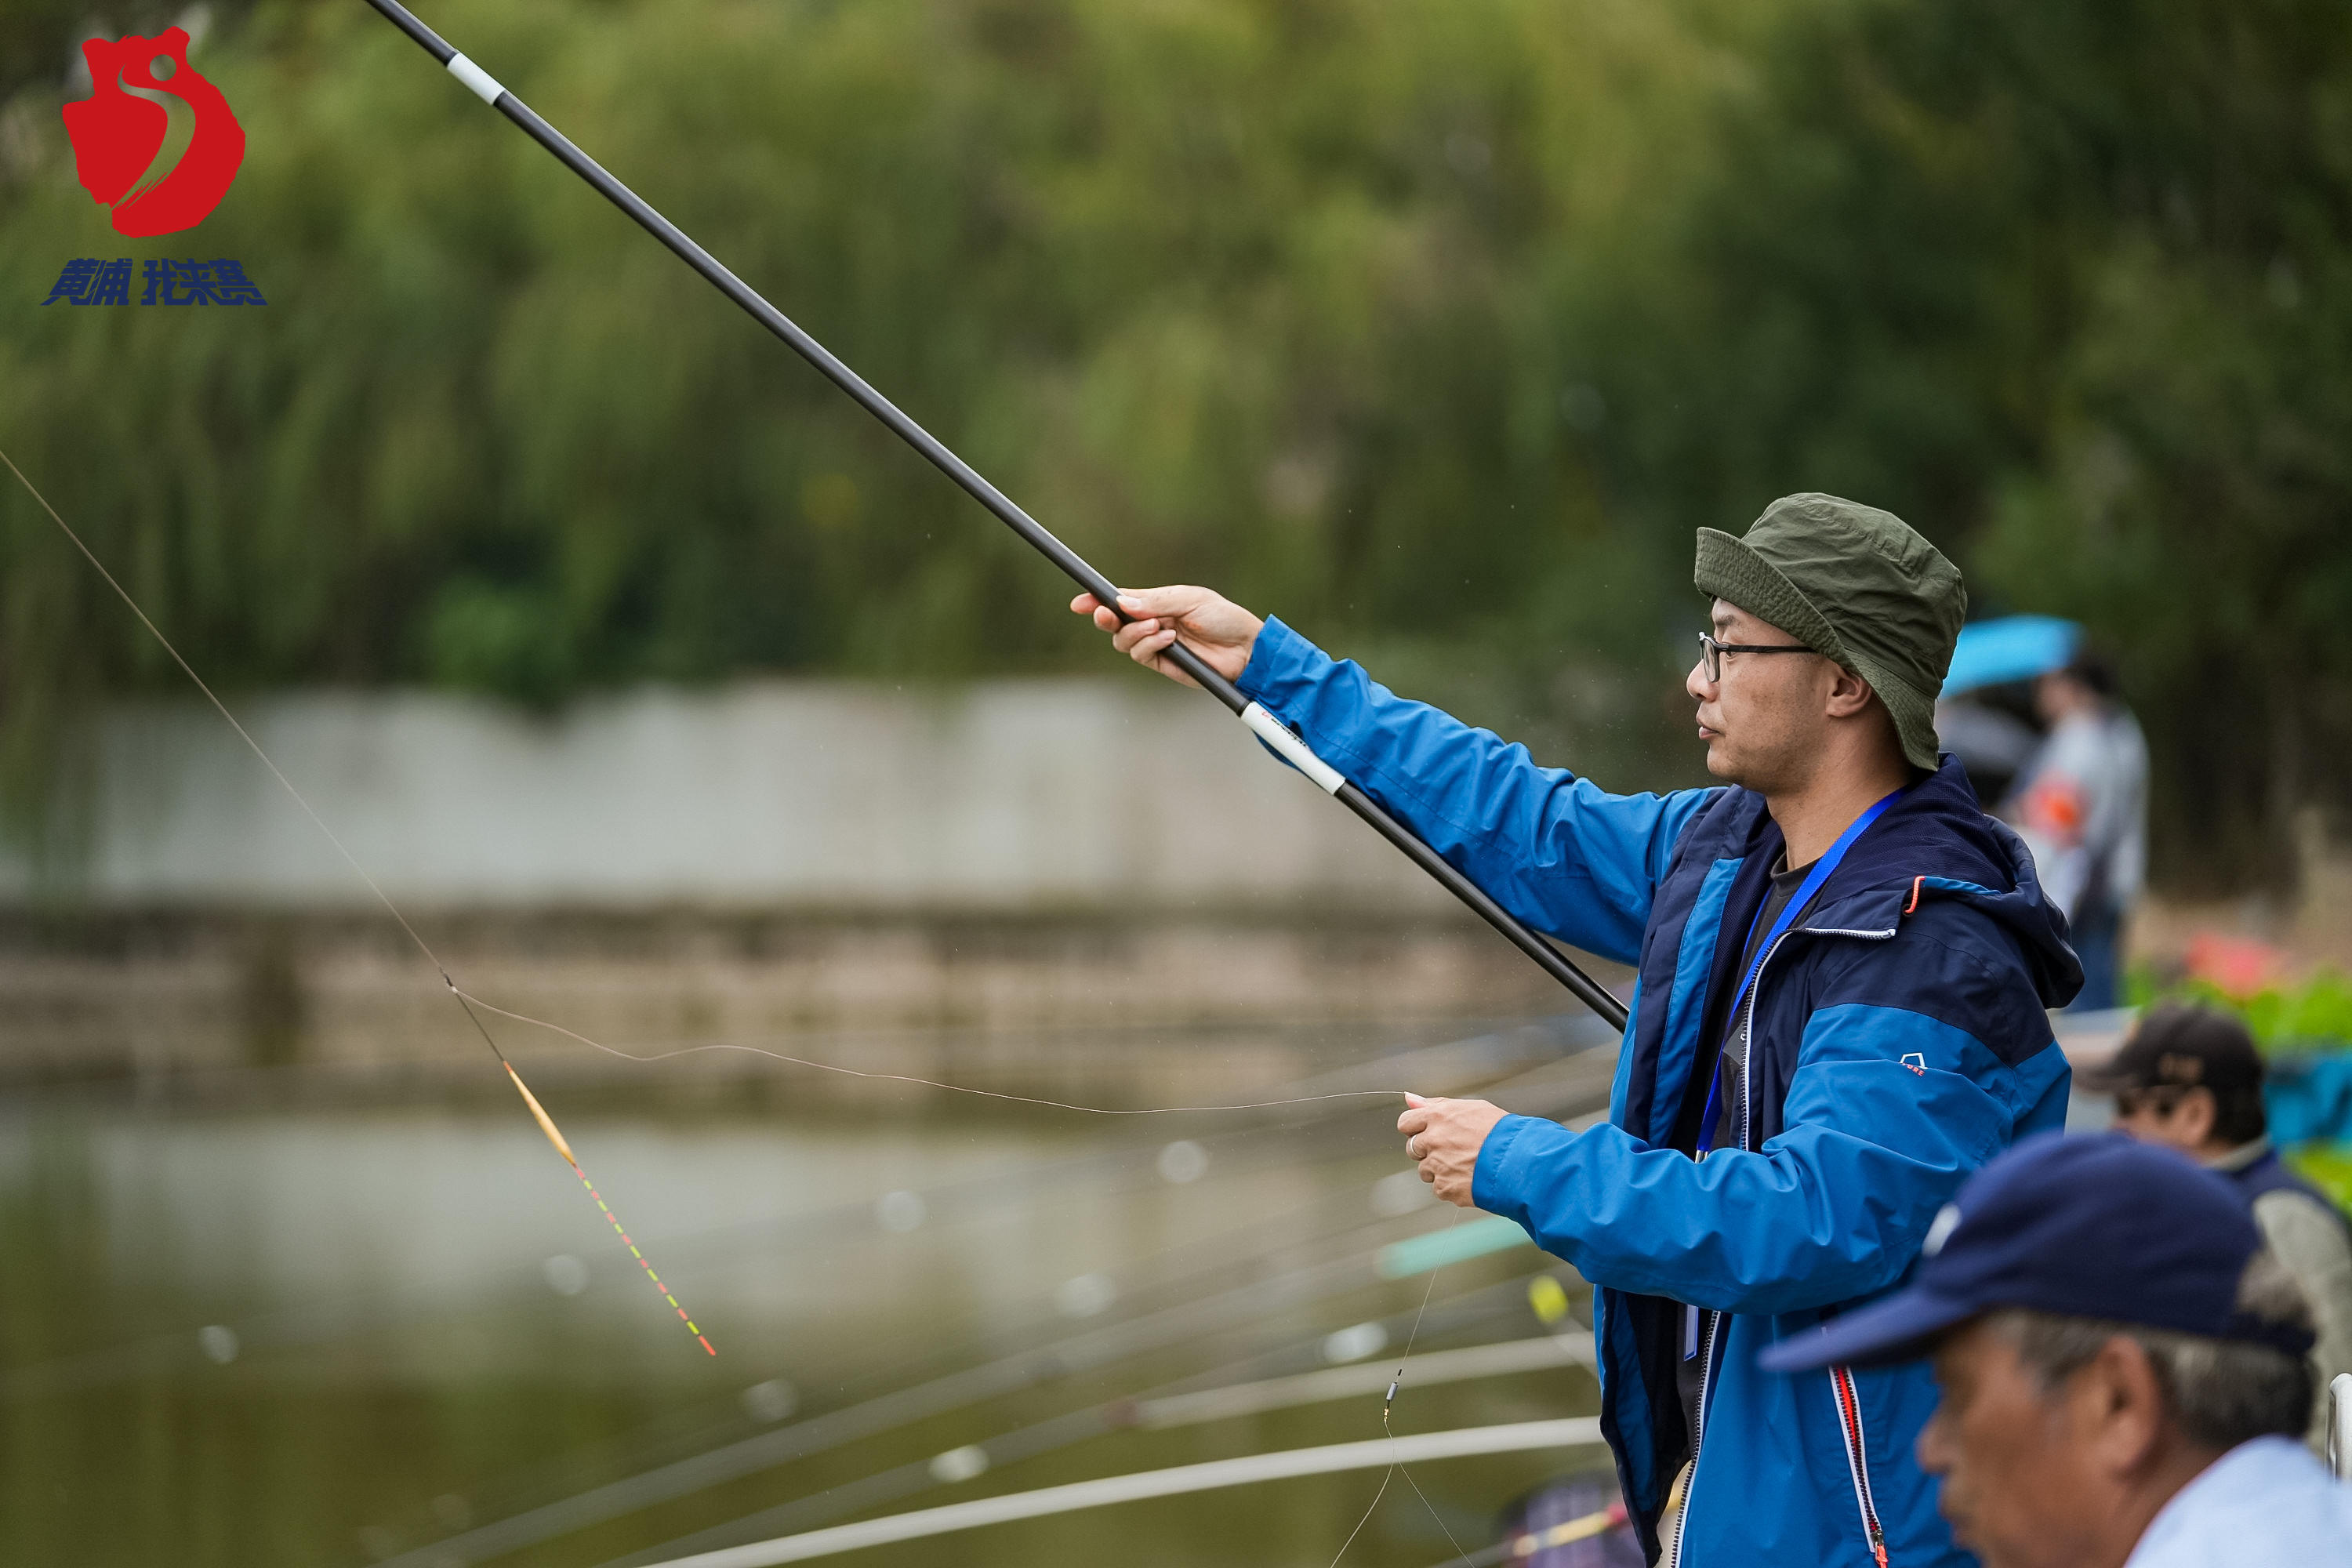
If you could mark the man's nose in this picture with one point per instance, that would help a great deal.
(1934, 1456)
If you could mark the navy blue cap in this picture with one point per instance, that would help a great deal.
(2096, 1227)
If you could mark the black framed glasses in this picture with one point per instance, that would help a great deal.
(2163, 1099)
(1711, 652)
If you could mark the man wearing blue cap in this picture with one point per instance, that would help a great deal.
(1843, 970)
(2122, 1365)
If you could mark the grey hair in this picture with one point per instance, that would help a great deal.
(2222, 1392)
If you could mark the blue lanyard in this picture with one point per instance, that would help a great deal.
(1789, 912)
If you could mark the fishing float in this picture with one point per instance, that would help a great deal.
(1278, 736)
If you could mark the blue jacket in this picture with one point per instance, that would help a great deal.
(1899, 1042)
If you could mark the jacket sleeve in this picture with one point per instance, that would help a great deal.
(1568, 859)
(2313, 1246)
(1888, 1111)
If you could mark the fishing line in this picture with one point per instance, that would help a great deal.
(1388, 1403)
(222, 708)
(1433, 1511)
(468, 1002)
(926, 1082)
(538, 1113)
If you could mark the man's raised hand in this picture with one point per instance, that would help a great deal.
(1211, 626)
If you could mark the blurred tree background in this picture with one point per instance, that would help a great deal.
(1434, 326)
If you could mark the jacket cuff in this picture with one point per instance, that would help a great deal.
(1283, 665)
(1501, 1184)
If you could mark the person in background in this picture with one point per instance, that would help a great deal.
(2122, 1364)
(2190, 1079)
(2080, 805)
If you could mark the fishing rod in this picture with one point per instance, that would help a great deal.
(1276, 736)
(1151, 1411)
(1003, 1375)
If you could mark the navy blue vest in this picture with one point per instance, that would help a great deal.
(2271, 1175)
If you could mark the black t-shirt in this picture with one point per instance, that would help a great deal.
(1727, 1128)
(1691, 1370)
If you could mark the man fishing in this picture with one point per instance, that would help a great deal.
(1843, 968)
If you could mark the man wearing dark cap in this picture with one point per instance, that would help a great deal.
(2122, 1365)
(2190, 1078)
(1843, 971)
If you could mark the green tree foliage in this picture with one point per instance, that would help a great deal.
(2071, 288)
(1433, 325)
(1236, 290)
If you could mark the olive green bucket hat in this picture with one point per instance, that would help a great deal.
(1855, 584)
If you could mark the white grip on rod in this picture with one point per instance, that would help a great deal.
(484, 85)
(1291, 749)
(2340, 1426)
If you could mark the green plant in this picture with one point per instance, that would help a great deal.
(2313, 1015)
(2328, 1167)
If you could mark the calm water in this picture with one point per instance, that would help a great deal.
(348, 1337)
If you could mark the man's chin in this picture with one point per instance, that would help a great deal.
(1962, 1536)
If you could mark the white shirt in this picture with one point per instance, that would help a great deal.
(2267, 1501)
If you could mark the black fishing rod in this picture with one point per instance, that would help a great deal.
(1265, 725)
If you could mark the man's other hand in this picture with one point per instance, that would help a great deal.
(1443, 1137)
(1211, 626)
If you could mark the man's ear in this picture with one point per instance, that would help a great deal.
(2116, 1408)
(2197, 1114)
(1848, 694)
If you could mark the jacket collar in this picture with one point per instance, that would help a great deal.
(1936, 843)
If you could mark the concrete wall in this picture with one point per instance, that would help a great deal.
(1023, 882)
(1001, 796)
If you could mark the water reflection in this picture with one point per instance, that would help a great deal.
(331, 1336)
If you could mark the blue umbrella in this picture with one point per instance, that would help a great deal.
(2014, 647)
